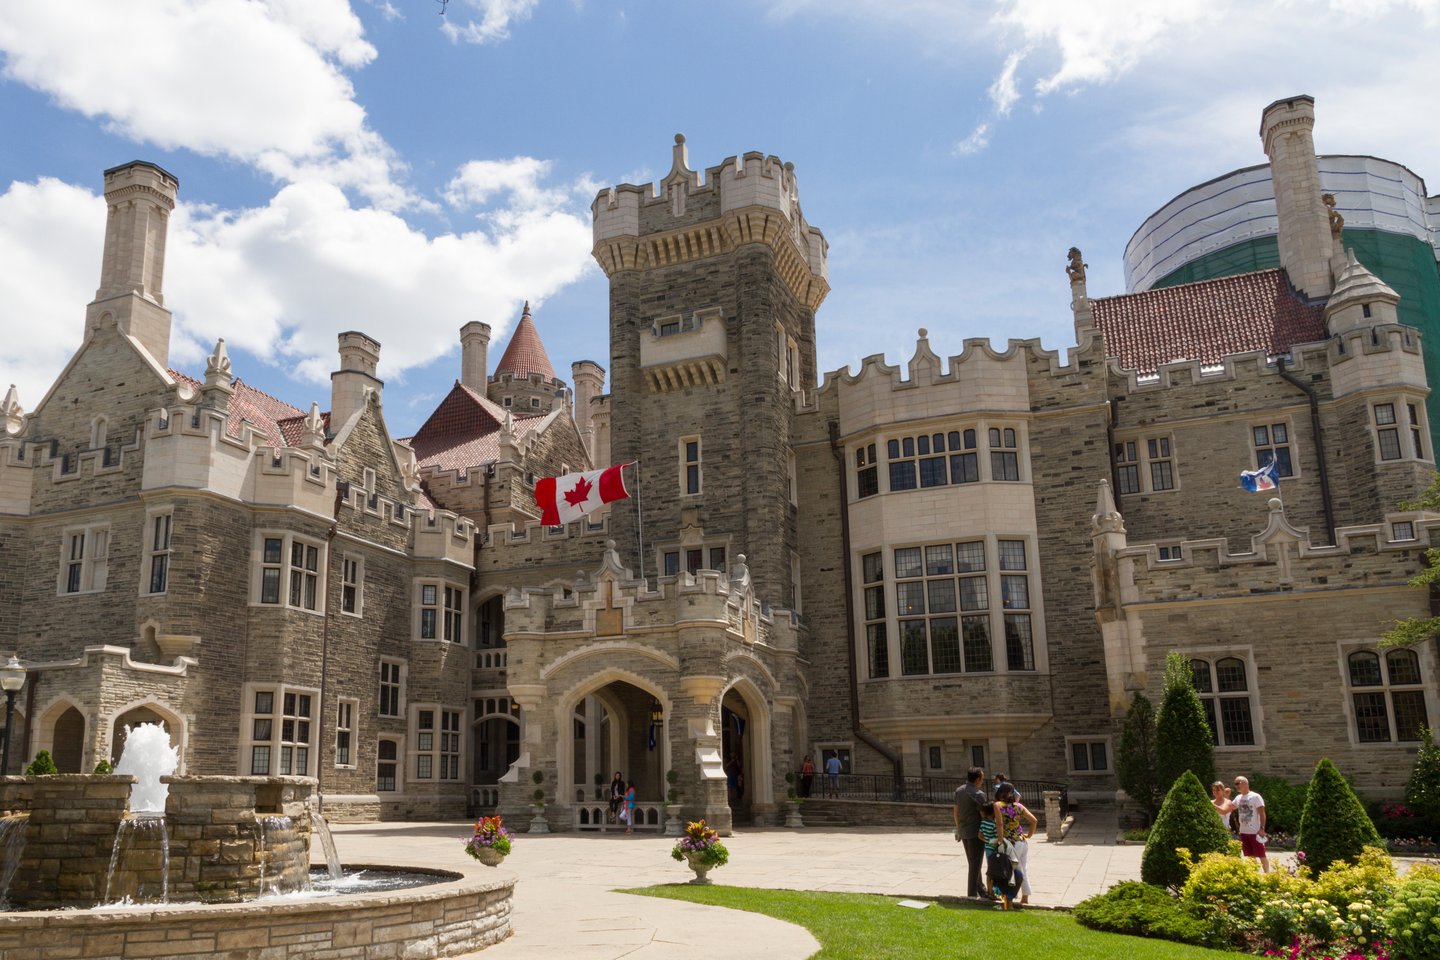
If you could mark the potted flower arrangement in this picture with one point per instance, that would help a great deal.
(490, 843)
(701, 848)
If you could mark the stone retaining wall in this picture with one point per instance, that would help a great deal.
(440, 921)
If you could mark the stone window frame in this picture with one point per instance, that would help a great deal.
(276, 743)
(932, 757)
(435, 751)
(1246, 655)
(1386, 687)
(867, 470)
(346, 710)
(943, 446)
(1270, 445)
(1170, 552)
(683, 554)
(397, 684)
(157, 537)
(397, 785)
(792, 475)
(995, 613)
(357, 585)
(1141, 451)
(84, 559)
(687, 467)
(1404, 421)
(797, 599)
(446, 622)
(1402, 531)
(787, 358)
(288, 540)
(1105, 743)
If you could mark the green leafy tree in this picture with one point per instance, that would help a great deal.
(1419, 629)
(1334, 825)
(1422, 792)
(1188, 821)
(1182, 736)
(1135, 764)
(42, 766)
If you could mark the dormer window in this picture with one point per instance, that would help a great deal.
(669, 328)
(1365, 310)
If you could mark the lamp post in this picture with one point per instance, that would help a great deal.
(12, 678)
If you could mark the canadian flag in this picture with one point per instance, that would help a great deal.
(567, 498)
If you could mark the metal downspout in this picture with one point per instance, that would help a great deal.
(865, 736)
(1319, 444)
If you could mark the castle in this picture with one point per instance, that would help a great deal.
(968, 560)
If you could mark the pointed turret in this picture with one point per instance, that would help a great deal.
(1360, 299)
(217, 389)
(525, 354)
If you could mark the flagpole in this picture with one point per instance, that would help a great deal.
(639, 518)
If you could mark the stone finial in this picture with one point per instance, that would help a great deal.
(526, 312)
(12, 415)
(314, 427)
(739, 572)
(410, 473)
(1075, 266)
(1337, 222)
(1107, 518)
(217, 368)
(1079, 296)
(679, 154)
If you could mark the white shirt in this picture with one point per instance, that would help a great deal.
(1249, 805)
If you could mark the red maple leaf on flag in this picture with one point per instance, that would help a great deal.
(579, 494)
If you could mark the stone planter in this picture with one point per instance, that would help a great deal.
(792, 814)
(673, 826)
(489, 856)
(697, 863)
(538, 823)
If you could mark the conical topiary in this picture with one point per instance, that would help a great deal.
(1334, 825)
(1186, 820)
(1182, 735)
(1422, 792)
(1135, 764)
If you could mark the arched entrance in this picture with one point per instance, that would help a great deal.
(745, 751)
(494, 747)
(615, 724)
(143, 713)
(490, 633)
(68, 743)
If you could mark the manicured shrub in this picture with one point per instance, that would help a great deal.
(1142, 910)
(1187, 821)
(1371, 877)
(1182, 736)
(1284, 802)
(1413, 919)
(1422, 792)
(1135, 763)
(1218, 878)
(1334, 825)
(42, 766)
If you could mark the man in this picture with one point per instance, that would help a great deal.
(1251, 807)
(832, 772)
(969, 798)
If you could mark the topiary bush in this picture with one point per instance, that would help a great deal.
(1334, 825)
(1142, 910)
(1187, 821)
(42, 766)
(103, 768)
(1135, 763)
(1371, 877)
(1219, 878)
(1413, 919)
(1422, 791)
(1182, 736)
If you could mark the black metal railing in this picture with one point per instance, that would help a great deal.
(886, 788)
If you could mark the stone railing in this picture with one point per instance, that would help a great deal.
(491, 659)
(592, 817)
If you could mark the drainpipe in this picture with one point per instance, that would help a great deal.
(342, 492)
(1309, 392)
(32, 680)
(856, 727)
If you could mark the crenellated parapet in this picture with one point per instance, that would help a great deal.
(442, 535)
(750, 199)
(1385, 355)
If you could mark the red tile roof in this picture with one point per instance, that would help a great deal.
(262, 411)
(525, 354)
(1207, 321)
(464, 431)
(293, 428)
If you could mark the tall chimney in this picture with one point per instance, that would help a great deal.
(1286, 129)
(139, 196)
(359, 356)
(589, 379)
(474, 355)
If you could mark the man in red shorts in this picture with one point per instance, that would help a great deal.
(1251, 807)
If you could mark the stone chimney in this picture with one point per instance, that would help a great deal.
(359, 356)
(1286, 129)
(589, 379)
(139, 196)
(474, 355)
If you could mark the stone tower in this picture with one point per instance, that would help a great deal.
(1286, 129)
(139, 197)
(714, 284)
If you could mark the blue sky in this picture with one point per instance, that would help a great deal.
(377, 166)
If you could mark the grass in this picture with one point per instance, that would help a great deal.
(868, 927)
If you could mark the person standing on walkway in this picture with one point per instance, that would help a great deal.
(1251, 807)
(1016, 824)
(629, 813)
(807, 776)
(969, 799)
(832, 774)
(1220, 800)
(617, 795)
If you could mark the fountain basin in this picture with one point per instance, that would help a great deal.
(442, 920)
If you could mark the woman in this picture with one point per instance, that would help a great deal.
(1017, 824)
(1224, 806)
(807, 775)
(629, 808)
(617, 795)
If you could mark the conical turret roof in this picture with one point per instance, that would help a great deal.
(525, 354)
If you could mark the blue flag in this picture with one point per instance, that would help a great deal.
(1258, 481)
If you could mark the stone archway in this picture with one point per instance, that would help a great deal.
(147, 712)
(746, 751)
(494, 748)
(622, 733)
(68, 742)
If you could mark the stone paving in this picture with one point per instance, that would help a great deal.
(565, 906)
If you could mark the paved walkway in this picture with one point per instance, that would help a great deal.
(565, 908)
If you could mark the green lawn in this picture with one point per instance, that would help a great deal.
(853, 926)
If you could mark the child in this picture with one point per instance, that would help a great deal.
(629, 814)
(1001, 874)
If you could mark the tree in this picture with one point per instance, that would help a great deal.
(42, 766)
(1135, 765)
(1419, 629)
(1334, 825)
(1422, 792)
(1187, 820)
(1183, 738)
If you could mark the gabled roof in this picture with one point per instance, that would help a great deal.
(264, 412)
(464, 431)
(1207, 321)
(525, 354)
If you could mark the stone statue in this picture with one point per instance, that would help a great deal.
(1076, 267)
(1337, 222)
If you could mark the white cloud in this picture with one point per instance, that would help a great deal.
(480, 181)
(1003, 93)
(978, 140)
(494, 23)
